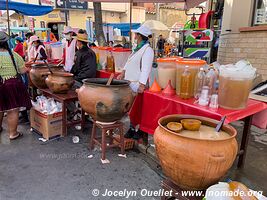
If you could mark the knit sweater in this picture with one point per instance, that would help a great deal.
(7, 69)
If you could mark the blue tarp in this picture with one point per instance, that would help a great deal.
(26, 9)
(124, 27)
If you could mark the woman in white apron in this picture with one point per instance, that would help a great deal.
(38, 49)
(70, 48)
(138, 67)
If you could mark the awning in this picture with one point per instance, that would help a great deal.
(124, 27)
(26, 9)
(188, 3)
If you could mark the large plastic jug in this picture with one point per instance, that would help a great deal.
(167, 71)
(120, 56)
(56, 50)
(235, 83)
(194, 67)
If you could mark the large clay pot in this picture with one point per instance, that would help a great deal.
(39, 72)
(194, 164)
(59, 82)
(105, 103)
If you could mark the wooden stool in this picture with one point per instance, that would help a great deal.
(176, 191)
(107, 132)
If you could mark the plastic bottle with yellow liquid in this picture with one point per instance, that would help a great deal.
(186, 84)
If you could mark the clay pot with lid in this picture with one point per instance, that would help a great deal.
(105, 103)
(59, 82)
(194, 164)
(39, 72)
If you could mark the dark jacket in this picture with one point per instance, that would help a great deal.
(84, 64)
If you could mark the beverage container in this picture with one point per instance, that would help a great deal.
(103, 52)
(204, 96)
(214, 101)
(110, 62)
(194, 66)
(199, 83)
(120, 56)
(235, 83)
(210, 81)
(166, 71)
(186, 84)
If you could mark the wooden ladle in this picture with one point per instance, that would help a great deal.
(220, 125)
(110, 79)
(48, 66)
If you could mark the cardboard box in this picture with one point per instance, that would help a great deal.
(47, 125)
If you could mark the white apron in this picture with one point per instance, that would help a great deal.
(39, 57)
(70, 54)
(133, 68)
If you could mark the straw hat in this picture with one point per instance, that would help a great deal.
(82, 37)
(3, 36)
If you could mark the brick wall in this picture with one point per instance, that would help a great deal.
(245, 45)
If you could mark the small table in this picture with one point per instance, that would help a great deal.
(69, 97)
(149, 107)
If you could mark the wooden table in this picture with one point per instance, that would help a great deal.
(149, 107)
(71, 96)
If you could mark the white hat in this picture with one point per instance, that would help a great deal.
(33, 38)
(143, 30)
(67, 30)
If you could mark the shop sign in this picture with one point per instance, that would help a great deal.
(52, 16)
(47, 2)
(71, 4)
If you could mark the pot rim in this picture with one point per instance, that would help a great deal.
(215, 122)
(43, 65)
(61, 74)
(124, 82)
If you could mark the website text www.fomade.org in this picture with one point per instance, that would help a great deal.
(125, 194)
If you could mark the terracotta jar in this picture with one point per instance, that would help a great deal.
(194, 164)
(105, 103)
(39, 72)
(59, 82)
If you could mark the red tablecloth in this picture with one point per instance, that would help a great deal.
(149, 107)
(105, 74)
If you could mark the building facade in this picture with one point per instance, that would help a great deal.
(78, 13)
(244, 33)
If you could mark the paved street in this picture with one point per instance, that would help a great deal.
(31, 169)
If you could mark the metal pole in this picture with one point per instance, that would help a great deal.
(66, 14)
(131, 25)
(158, 11)
(8, 22)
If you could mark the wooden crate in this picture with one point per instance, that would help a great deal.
(128, 143)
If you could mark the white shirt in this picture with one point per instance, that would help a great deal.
(70, 54)
(138, 66)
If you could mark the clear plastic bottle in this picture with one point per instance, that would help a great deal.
(210, 80)
(186, 83)
(199, 83)
(110, 62)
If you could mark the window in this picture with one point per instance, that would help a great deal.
(260, 12)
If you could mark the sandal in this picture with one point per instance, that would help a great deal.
(18, 136)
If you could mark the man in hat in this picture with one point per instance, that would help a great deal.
(85, 60)
(70, 48)
(84, 67)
